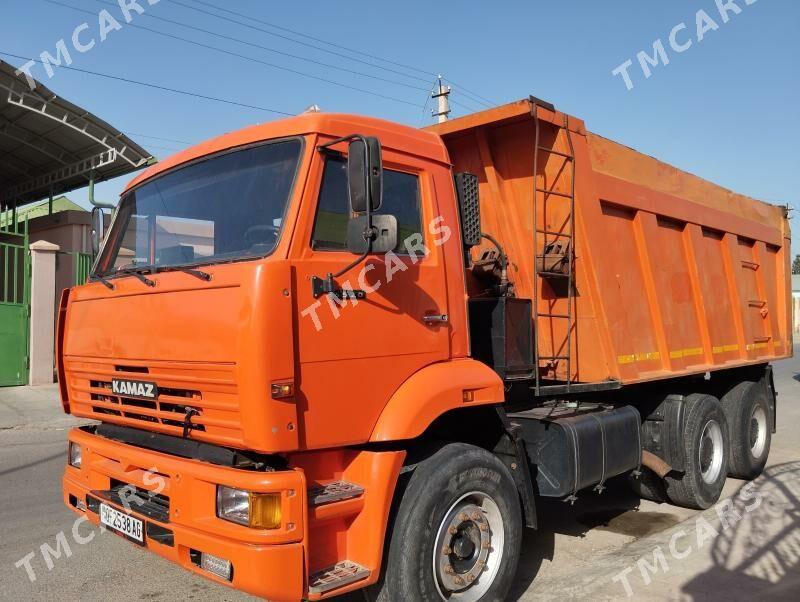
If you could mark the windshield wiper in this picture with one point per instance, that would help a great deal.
(138, 274)
(187, 270)
(100, 278)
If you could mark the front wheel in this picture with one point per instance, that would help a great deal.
(457, 532)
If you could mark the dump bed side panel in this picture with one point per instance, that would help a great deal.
(674, 275)
(703, 273)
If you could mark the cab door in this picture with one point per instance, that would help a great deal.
(353, 355)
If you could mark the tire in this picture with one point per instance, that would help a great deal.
(706, 446)
(458, 481)
(750, 426)
(649, 486)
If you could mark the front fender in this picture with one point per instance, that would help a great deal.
(434, 390)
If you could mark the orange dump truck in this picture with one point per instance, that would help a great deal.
(332, 352)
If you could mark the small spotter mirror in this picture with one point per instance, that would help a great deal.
(383, 234)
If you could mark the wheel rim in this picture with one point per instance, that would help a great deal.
(758, 432)
(711, 452)
(468, 548)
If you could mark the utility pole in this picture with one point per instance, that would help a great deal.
(442, 96)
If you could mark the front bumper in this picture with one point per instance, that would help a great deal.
(266, 563)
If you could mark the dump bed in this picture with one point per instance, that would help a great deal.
(672, 274)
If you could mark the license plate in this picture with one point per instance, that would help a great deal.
(122, 523)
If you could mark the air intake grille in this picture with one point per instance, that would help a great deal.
(153, 411)
(469, 202)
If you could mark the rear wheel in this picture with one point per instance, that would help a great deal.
(457, 532)
(706, 449)
(749, 424)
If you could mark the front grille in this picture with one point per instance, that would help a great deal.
(157, 411)
(147, 503)
(207, 391)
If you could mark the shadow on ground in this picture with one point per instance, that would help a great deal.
(615, 511)
(758, 556)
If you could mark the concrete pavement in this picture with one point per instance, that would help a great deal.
(33, 408)
(599, 549)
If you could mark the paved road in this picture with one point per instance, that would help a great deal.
(576, 554)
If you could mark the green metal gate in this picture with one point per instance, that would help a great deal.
(81, 266)
(15, 290)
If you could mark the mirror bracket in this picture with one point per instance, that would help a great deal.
(368, 232)
(328, 286)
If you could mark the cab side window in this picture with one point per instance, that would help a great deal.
(400, 198)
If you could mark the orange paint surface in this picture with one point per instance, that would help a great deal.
(674, 275)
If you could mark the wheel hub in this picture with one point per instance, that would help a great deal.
(464, 548)
(758, 432)
(711, 452)
(469, 548)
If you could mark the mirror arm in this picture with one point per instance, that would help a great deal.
(369, 237)
(328, 286)
(327, 146)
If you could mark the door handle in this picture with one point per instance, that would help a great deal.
(435, 319)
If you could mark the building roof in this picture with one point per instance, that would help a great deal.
(39, 209)
(49, 145)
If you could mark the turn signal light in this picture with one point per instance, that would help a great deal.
(265, 510)
(256, 510)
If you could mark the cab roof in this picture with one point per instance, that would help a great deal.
(393, 135)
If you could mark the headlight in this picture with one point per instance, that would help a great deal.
(74, 455)
(257, 510)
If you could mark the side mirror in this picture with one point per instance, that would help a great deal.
(98, 229)
(366, 232)
(383, 234)
(365, 174)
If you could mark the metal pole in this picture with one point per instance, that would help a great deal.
(442, 97)
(535, 303)
(92, 200)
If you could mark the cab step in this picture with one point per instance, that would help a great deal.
(339, 575)
(333, 492)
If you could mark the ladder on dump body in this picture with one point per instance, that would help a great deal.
(549, 237)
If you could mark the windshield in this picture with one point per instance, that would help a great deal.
(227, 207)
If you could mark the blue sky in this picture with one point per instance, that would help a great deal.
(727, 108)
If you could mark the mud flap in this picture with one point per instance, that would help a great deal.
(511, 451)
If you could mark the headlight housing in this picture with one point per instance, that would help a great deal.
(256, 510)
(74, 454)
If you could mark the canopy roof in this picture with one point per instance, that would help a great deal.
(39, 209)
(50, 146)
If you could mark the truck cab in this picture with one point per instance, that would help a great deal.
(201, 331)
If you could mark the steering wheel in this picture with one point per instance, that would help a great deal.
(257, 235)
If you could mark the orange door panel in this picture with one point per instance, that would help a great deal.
(354, 355)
